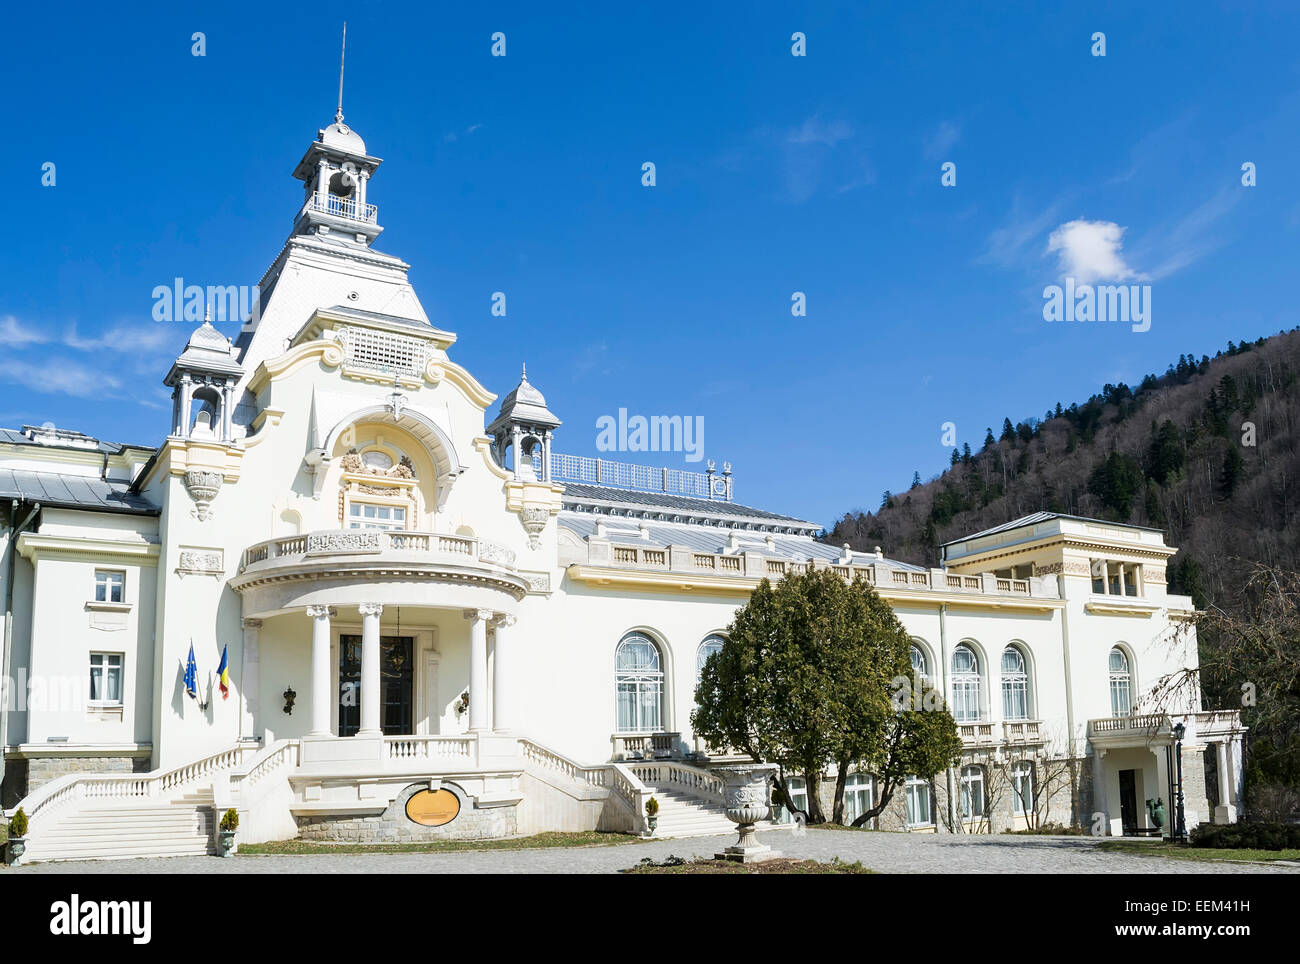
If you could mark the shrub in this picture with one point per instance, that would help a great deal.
(230, 819)
(1247, 836)
(651, 807)
(18, 824)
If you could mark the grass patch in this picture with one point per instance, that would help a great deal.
(777, 865)
(1177, 851)
(585, 838)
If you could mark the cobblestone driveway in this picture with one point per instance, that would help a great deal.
(886, 852)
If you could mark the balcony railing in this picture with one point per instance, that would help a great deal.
(756, 565)
(343, 207)
(376, 541)
(646, 746)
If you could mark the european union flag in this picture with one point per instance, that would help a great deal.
(192, 674)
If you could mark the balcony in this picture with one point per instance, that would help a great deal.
(1157, 728)
(978, 734)
(344, 566)
(647, 746)
(1023, 732)
(342, 207)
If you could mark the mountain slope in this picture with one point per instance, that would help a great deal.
(1208, 451)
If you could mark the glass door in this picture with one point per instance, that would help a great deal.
(396, 685)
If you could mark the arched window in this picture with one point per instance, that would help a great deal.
(972, 792)
(1121, 683)
(965, 685)
(712, 644)
(1015, 685)
(639, 681)
(920, 665)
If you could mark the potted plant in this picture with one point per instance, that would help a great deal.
(652, 813)
(17, 836)
(226, 834)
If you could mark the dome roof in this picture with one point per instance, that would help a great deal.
(341, 137)
(525, 405)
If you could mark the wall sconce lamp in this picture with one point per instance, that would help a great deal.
(289, 697)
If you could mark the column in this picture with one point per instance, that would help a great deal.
(503, 708)
(370, 669)
(320, 670)
(187, 399)
(1226, 809)
(249, 688)
(478, 691)
(322, 185)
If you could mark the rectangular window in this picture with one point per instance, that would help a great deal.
(966, 700)
(1015, 699)
(972, 792)
(368, 515)
(798, 796)
(1022, 789)
(918, 803)
(858, 792)
(110, 585)
(106, 679)
(1120, 702)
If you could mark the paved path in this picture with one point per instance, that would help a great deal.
(886, 852)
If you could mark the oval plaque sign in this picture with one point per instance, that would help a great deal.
(433, 808)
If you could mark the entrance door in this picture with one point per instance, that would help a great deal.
(1128, 817)
(396, 685)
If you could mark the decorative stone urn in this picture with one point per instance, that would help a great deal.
(747, 795)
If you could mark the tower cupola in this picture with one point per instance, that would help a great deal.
(525, 425)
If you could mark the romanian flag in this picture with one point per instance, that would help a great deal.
(223, 675)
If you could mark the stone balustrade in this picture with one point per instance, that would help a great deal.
(757, 565)
(361, 542)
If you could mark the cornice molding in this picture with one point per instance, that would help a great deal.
(34, 547)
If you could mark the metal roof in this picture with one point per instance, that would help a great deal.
(74, 492)
(580, 492)
(702, 538)
(1036, 517)
(14, 437)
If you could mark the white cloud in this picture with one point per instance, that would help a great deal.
(816, 131)
(61, 377)
(13, 332)
(1089, 251)
(133, 339)
(944, 138)
(1007, 245)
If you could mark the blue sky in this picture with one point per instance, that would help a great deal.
(775, 174)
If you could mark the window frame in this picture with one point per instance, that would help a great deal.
(1015, 682)
(641, 680)
(107, 584)
(105, 668)
(971, 775)
(911, 788)
(1022, 775)
(967, 685)
(1124, 677)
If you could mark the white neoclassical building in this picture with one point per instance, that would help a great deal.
(415, 592)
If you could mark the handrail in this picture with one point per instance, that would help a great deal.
(694, 779)
(46, 799)
(629, 788)
(536, 753)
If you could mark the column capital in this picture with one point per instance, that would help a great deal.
(371, 609)
(318, 612)
(251, 623)
(504, 621)
(474, 615)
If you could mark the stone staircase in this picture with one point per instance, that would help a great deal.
(182, 827)
(684, 815)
